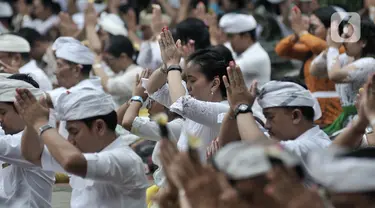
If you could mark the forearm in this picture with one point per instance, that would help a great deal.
(67, 155)
(130, 114)
(134, 38)
(121, 112)
(352, 136)
(333, 66)
(99, 71)
(229, 130)
(31, 146)
(183, 13)
(176, 89)
(319, 65)
(157, 79)
(248, 128)
(168, 9)
(93, 38)
(72, 8)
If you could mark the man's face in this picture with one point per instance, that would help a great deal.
(38, 50)
(39, 10)
(10, 121)
(65, 74)
(6, 58)
(237, 43)
(279, 123)
(115, 63)
(82, 137)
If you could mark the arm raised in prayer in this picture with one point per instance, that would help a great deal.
(31, 146)
(121, 112)
(171, 55)
(130, 114)
(36, 115)
(157, 80)
(318, 66)
(229, 130)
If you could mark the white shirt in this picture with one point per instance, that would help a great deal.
(55, 94)
(37, 74)
(149, 56)
(22, 184)
(201, 118)
(120, 86)
(115, 178)
(146, 129)
(255, 64)
(41, 26)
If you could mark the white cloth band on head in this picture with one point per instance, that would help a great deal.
(112, 24)
(237, 23)
(62, 40)
(8, 89)
(342, 174)
(74, 51)
(284, 94)
(83, 103)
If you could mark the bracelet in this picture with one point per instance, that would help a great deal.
(174, 67)
(137, 98)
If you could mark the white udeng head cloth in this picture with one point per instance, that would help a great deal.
(14, 44)
(284, 94)
(237, 23)
(72, 50)
(83, 103)
(243, 160)
(342, 174)
(8, 89)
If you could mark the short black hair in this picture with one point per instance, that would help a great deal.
(192, 29)
(31, 35)
(55, 7)
(24, 77)
(120, 44)
(110, 120)
(225, 52)
(85, 70)
(212, 64)
(324, 15)
(251, 33)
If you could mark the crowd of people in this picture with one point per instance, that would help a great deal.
(186, 103)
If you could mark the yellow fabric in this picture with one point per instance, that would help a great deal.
(143, 112)
(150, 193)
(61, 178)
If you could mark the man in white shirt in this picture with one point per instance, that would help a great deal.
(118, 55)
(253, 60)
(15, 58)
(22, 183)
(106, 172)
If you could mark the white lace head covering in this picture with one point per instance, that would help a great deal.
(83, 103)
(284, 94)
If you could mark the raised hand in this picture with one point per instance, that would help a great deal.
(333, 34)
(32, 112)
(91, 17)
(66, 26)
(369, 99)
(157, 21)
(138, 89)
(296, 20)
(237, 91)
(171, 52)
(8, 69)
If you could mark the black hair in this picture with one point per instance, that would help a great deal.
(119, 44)
(277, 162)
(85, 70)
(24, 77)
(251, 33)
(110, 120)
(212, 64)
(194, 29)
(368, 35)
(224, 51)
(324, 15)
(240, 4)
(31, 35)
(55, 7)
(307, 111)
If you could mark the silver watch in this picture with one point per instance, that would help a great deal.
(44, 128)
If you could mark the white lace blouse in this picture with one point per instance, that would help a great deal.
(201, 117)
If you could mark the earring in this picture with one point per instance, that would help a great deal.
(212, 93)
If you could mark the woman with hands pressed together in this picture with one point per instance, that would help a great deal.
(203, 98)
(350, 70)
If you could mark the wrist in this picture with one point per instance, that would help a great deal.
(171, 63)
(39, 123)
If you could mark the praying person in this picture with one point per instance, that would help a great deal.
(23, 183)
(105, 170)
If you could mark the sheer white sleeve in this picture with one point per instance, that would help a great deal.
(162, 96)
(206, 113)
(364, 67)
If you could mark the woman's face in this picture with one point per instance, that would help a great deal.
(198, 85)
(317, 27)
(352, 48)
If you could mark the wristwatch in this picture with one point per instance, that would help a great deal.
(44, 128)
(242, 108)
(174, 67)
(137, 98)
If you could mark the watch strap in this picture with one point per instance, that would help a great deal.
(174, 67)
(44, 128)
(137, 98)
(238, 110)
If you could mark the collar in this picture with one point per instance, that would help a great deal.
(30, 64)
(252, 49)
(311, 133)
(118, 142)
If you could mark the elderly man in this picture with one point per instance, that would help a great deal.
(23, 184)
(15, 58)
(253, 60)
(106, 172)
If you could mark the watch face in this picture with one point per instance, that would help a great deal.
(242, 107)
